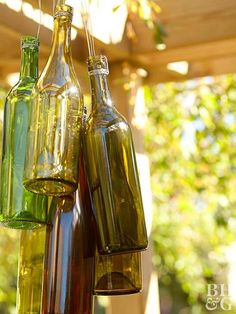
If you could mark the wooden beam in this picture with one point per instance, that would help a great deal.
(189, 53)
(17, 29)
(190, 27)
(172, 10)
(19, 25)
(186, 26)
(217, 66)
(119, 51)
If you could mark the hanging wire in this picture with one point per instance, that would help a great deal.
(53, 7)
(88, 27)
(40, 18)
(55, 3)
(91, 31)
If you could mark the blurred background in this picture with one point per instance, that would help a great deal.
(172, 66)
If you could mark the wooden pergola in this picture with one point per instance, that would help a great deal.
(202, 33)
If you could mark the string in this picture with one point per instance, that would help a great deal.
(84, 15)
(55, 3)
(40, 18)
(88, 28)
(91, 32)
(53, 9)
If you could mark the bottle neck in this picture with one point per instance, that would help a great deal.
(61, 45)
(29, 63)
(100, 91)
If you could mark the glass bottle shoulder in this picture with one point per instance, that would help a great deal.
(106, 118)
(58, 75)
(55, 84)
(22, 90)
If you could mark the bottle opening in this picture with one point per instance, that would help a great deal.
(98, 65)
(63, 10)
(29, 42)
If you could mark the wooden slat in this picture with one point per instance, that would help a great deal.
(202, 28)
(198, 32)
(216, 66)
(114, 52)
(191, 28)
(24, 26)
(190, 53)
(172, 9)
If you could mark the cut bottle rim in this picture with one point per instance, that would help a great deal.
(63, 10)
(29, 42)
(98, 65)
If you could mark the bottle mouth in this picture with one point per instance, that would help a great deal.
(98, 65)
(63, 10)
(29, 42)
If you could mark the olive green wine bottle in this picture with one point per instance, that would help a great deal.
(19, 208)
(30, 273)
(52, 158)
(117, 274)
(112, 171)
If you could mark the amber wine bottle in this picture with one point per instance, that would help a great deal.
(69, 262)
(55, 121)
(112, 171)
(30, 273)
(19, 208)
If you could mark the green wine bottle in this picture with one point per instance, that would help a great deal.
(30, 273)
(112, 171)
(55, 121)
(19, 208)
(69, 262)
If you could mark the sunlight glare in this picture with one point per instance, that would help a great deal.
(181, 67)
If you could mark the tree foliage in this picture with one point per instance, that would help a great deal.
(191, 139)
(148, 11)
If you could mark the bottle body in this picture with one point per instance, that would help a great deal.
(30, 274)
(56, 129)
(20, 209)
(69, 263)
(56, 117)
(113, 176)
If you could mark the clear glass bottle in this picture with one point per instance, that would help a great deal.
(19, 208)
(69, 262)
(56, 116)
(112, 172)
(30, 273)
(118, 274)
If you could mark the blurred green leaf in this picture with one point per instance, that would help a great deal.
(190, 138)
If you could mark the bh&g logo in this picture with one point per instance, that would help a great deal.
(218, 297)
